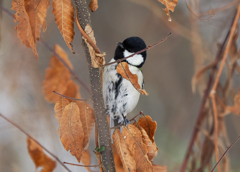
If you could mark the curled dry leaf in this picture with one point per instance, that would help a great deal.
(236, 108)
(169, 5)
(57, 76)
(72, 90)
(39, 158)
(59, 107)
(138, 149)
(159, 168)
(37, 12)
(148, 125)
(96, 58)
(117, 160)
(88, 120)
(71, 131)
(151, 145)
(93, 5)
(24, 30)
(86, 159)
(125, 155)
(123, 69)
(64, 17)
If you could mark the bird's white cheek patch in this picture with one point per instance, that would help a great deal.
(135, 60)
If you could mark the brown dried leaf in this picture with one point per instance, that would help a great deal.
(57, 76)
(96, 59)
(117, 160)
(71, 131)
(59, 108)
(64, 17)
(151, 145)
(133, 138)
(159, 168)
(125, 155)
(72, 90)
(88, 120)
(236, 108)
(93, 5)
(148, 125)
(23, 28)
(170, 5)
(39, 158)
(86, 159)
(37, 12)
(123, 69)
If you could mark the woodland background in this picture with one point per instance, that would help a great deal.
(168, 72)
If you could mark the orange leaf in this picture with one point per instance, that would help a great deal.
(148, 125)
(236, 108)
(123, 69)
(37, 12)
(23, 28)
(117, 160)
(133, 138)
(39, 158)
(59, 108)
(151, 146)
(86, 159)
(88, 120)
(64, 17)
(71, 131)
(159, 168)
(93, 5)
(72, 90)
(170, 5)
(57, 76)
(125, 155)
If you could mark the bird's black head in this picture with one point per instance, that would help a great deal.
(130, 46)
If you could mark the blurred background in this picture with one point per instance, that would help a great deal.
(168, 72)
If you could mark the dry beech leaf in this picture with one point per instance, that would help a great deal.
(96, 59)
(37, 12)
(93, 5)
(236, 108)
(148, 125)
(138, 149)
(72, 90)
(57, 76)
(23, 28)
(169, 5)
(123, 69)
(59, 107)
(159, 168)
(88, 120)
(64, 17)
(86, 159)
(71, 131)
(117, 160)
(125, 155)
(151, 145)
(39, 158)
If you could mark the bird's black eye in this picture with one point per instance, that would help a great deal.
(130, 50)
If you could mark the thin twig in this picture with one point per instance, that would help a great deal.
(226, 152)
(213, 91)
(145, 49)
(84, 100)
(82, 165)
(24, 132)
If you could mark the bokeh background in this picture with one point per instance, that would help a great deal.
(167, 73)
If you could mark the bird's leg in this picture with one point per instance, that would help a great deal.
(126, 121)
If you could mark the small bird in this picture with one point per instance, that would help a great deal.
(120, 96)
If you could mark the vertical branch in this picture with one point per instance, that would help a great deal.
(83, 17)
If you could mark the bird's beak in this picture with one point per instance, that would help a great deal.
(120, 45)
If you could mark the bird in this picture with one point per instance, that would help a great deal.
(119, 95)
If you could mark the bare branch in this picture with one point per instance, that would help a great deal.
(84, 100)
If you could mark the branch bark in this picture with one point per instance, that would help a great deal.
(83, 17)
